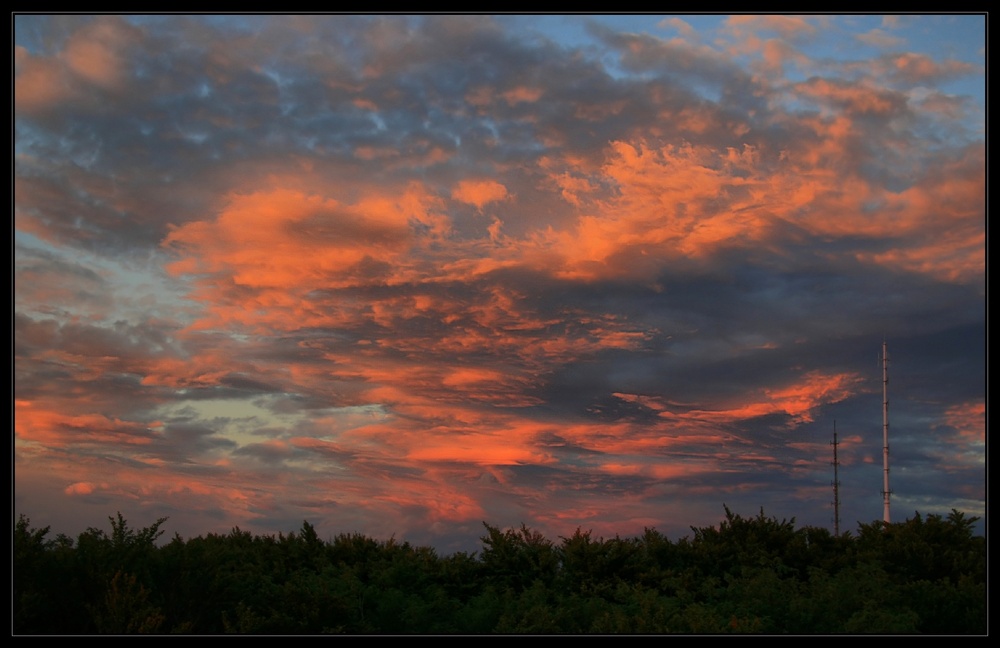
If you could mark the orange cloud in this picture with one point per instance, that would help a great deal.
(94, 53)
(94, 56)
(522, 94)
(776, 53)
(796, 400)
(942, 220)
(917, 68)
(853, 98)
(491, 452)
(470, 376)
(254, 265)
(659, 471)
(672, 201)
(479, 192)
(970, 421)
(390, 475)
(683, 28)
(281, 237)
(38, 82)
(787, 26)
(812, 390)
(80, 488)
(688, 202)
(36, 424)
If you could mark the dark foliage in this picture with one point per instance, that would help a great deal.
(748, 575)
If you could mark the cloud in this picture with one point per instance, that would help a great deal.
(968, 420)
(408, 273)
(916, 69)
(95, 52)
(80, 488)
(789, 27)
(92, 63)
(479, 193)
(682, 27)
(881, 39)
(38, 83)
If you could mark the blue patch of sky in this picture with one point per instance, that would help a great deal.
(37, 148)
(26, 140)
(285, 104)
(942, 38)
(572, 31)
(377, 120)
(134, 279)
(240, 24)
(32, 33)
(576, 32)
(836, 39)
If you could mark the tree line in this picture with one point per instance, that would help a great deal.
(747, 575)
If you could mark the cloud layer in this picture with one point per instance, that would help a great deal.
(406, 274)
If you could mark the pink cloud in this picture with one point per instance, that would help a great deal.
(918, 68)
(80, 488)
(787, 26)
(479, 192)
(970, 421)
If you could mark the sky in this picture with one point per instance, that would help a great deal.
(404, 275)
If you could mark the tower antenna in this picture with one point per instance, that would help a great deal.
(836, 484)
(885, 433)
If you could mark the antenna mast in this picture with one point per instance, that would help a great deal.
(836, 484)
(885, 433)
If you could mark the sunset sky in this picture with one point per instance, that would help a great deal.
(400, 275)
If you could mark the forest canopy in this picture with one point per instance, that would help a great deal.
(755, 574)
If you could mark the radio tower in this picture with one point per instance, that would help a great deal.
(836, 484)
(885, 433)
